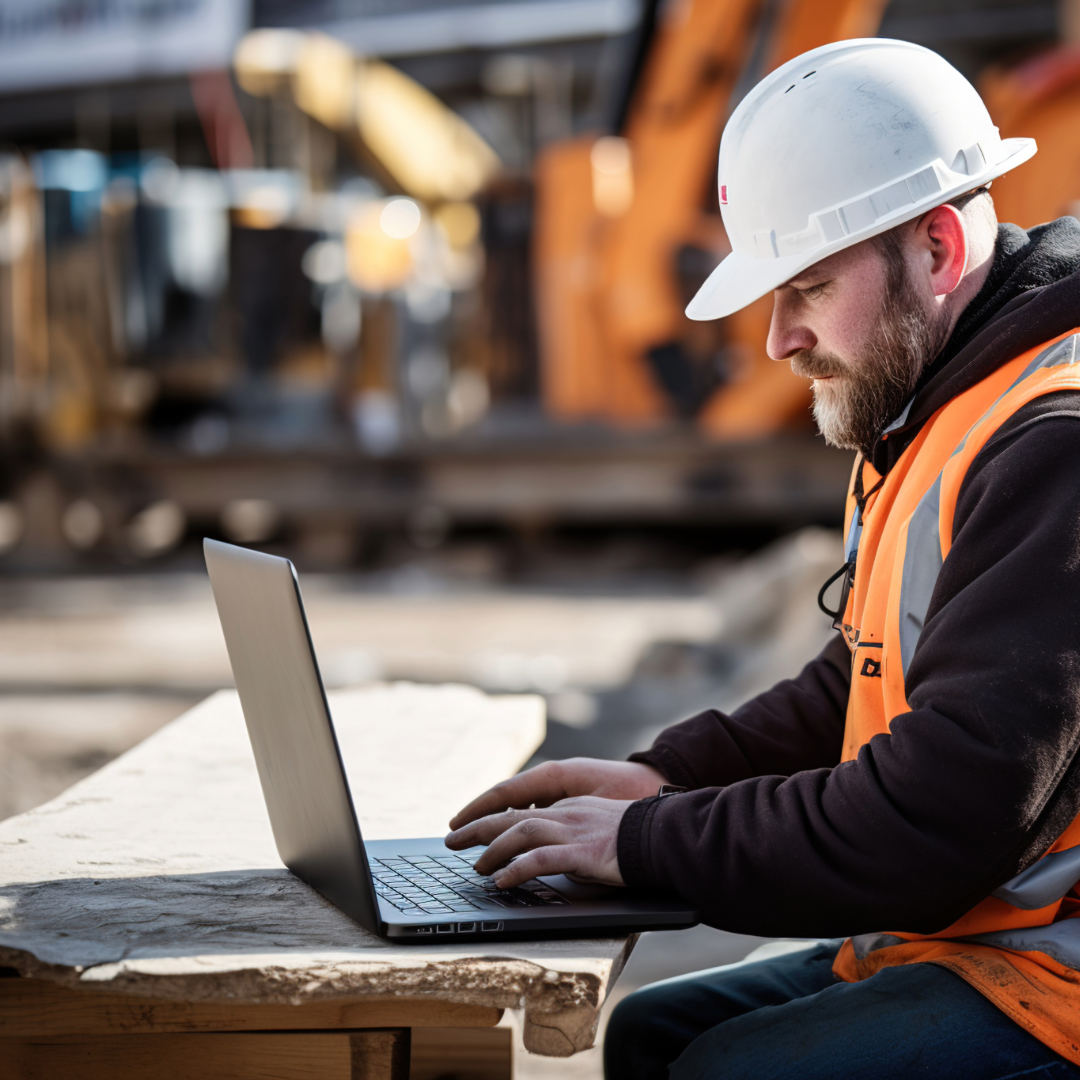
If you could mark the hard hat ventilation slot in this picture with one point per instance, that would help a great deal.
(970, 161)
(809, 73)
(789, 89)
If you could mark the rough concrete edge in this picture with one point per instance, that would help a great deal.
(568, 1031)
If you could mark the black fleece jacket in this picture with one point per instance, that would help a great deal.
(981, 776)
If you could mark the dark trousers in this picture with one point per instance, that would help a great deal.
(789, 1018)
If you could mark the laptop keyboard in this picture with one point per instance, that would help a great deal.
(438, 885)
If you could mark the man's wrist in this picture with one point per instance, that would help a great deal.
(669, 764)
(631, 845)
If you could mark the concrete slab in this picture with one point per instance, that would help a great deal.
(158, 875)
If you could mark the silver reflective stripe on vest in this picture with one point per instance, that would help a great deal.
(1060, 941)
(851, 544)
(922, 556)
(865, 944)
(1058, 355)
(1044, 882)
(922, 564)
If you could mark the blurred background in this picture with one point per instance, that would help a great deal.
(351, 278)
(396, 289)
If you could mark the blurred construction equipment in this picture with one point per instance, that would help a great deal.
(1040, 96)
(331, 295)
(624, 240)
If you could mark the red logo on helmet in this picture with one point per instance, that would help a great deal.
(723, 194)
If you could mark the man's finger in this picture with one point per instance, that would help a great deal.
(558, 859)
(535, 787)
(493, 801)
(532, 832)
(486, 829)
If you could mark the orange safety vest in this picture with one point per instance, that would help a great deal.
(1020, 947)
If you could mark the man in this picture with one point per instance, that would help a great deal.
(916, 788)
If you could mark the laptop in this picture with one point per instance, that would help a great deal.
(406, 890)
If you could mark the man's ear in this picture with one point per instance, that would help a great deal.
(943, 238)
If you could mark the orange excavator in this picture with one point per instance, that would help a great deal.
(1041, 98)
(627, 226)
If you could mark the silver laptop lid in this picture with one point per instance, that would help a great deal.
(288, 721)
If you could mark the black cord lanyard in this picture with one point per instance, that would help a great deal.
(847, 571)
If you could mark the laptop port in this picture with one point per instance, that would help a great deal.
(444, 928)
(466, 928)
(422, 929)
(491, 926)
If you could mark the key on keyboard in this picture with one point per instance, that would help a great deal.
(427, 885)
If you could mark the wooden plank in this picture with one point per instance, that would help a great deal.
(369, 1055)
(479, 1054)
(32, 1008)
(378, 1055)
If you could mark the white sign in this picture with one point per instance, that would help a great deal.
(49, 43)
(485, 26)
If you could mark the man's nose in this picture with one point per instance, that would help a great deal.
(787, 335)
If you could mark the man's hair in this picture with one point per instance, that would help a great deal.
(891, 247)
(961, 201)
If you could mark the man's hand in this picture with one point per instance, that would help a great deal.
(576, 836)
(557, 780)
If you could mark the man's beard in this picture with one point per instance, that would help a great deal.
(857, 399)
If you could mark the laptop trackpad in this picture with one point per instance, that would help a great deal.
(576, 890)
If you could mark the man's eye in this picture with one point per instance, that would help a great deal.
(812, 292)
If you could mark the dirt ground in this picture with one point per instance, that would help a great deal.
(91, 666)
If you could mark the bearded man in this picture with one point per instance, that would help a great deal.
(911, 799)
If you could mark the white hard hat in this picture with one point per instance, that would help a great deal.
(840, 144)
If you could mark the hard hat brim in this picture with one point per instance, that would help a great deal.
(741, 279)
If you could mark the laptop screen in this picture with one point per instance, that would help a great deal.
(288, 721)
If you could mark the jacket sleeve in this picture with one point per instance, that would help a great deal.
(971, 785)
(798, 724)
